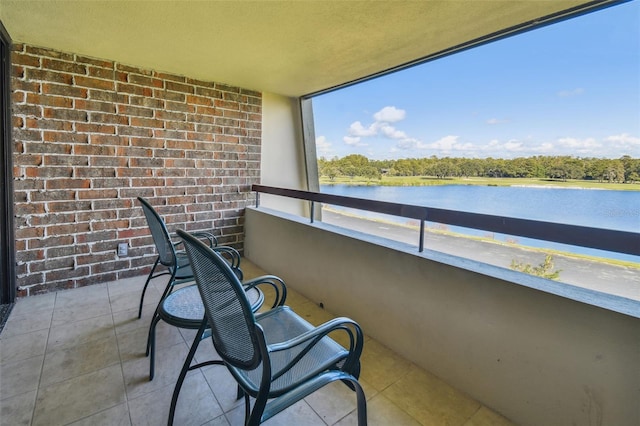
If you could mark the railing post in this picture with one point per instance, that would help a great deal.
(312, 211)
(421, 243)
(257, 199)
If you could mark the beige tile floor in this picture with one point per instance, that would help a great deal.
(76, 357)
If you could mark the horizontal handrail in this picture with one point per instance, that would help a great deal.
(597, 238)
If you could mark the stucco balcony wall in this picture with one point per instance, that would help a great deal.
(535, 357)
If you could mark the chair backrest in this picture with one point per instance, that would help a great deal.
(228, 311)
(160, 234)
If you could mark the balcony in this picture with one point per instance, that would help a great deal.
(77, 357)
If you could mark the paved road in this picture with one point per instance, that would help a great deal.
(619, 280)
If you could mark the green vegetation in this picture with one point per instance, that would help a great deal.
(618, 174)
(544, 270)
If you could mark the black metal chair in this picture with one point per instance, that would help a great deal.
(276, 357)
(176, 266)
(176, 262)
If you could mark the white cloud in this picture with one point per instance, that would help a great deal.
(580, 145)
(357, 129)
(625, 140)
(323, 146)
(353, 141)
(391, 132)
(447, 143)
(570, 93)
(390, 114)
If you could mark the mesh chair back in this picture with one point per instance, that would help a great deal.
(160, 235)
(227, 308)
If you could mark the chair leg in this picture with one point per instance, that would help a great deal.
(144, 290)
(183, 373)
(151, 346)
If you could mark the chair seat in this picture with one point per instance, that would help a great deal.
(183, 308)
(279, 325)
(184, 268)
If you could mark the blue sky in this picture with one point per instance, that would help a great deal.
(571, 88)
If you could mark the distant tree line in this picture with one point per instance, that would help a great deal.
(624, 169)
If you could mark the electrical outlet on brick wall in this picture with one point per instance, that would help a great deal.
(123, 249)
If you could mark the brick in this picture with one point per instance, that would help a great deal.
(38, 123)
(65, 160)
(59, 195)
(27, 60)
(144, 80)
(135, 111)
(146, 162)
(93, 61)
(27, 86)
(64, 66)
(109, 161)
(48, 172)
(179, 87)
(68, 184)
(169, 134)
(92, 150)
(102, 73)
(97, 193)
(134, 151)
(49, 76)
(110, 183)
(45, 100)
(132, 69)
(66, 274)
(95, 172)
(28, 110)
(54, 136)
(65, 114)
(199, 100)
(27, 160)
(92, 237)
(138, 172)
(63, 90)
(26, 233)
(134, 90)
(95, 258)
(112, 204)
(95, 117)
(177, 99)
(108, 140)
(66, 229)
(51, 219)
(69, 206)
(135, 131)
(94, 83)
(146, 102)
(97, 215)
(98, 106)
(55, 241)
(96, 128)
(109, 224)
(113, 97)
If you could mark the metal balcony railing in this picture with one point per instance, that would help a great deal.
(597, 238)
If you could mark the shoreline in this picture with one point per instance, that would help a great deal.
(489, 240)
(581, 271)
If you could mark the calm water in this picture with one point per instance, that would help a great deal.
(618, 210)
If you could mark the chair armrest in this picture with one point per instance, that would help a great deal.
(315, 335)
(232, 256)
(211, 239)
(276, 283)
(341, 323)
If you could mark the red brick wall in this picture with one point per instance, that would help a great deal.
(91, 135)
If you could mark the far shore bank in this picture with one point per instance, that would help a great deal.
(618, 278)
(514, 182)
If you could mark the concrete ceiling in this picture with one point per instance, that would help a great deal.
(290, 48)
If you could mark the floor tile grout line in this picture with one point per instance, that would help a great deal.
(44, 357)
(124, 382)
